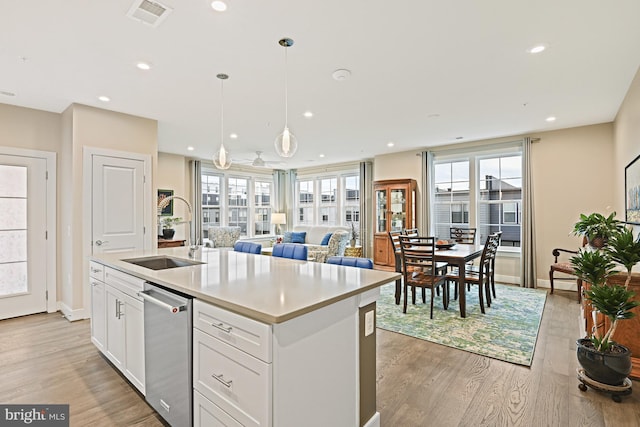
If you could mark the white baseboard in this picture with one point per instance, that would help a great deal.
(373, 421)
(72, 315)
(563, 285)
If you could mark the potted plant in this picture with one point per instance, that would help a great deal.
(354, 235)
(603, 359)
(597, 228)
(167, 226)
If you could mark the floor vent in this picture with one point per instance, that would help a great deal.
(148, 12)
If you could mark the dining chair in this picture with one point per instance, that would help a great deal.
(565, 266)
(417, 254)
(248, 247)
(394, 237)
(482, 274)
(465, 236)
(290, 250)
(351, 261)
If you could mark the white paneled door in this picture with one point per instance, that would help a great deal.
(23, 219)
(117, 204)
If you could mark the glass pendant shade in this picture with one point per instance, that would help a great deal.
(222, 159)
(286, 143)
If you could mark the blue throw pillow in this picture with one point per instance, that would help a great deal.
(287, 237)
(325, 239)
(298, 237)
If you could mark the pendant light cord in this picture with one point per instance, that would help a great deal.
(286, 90)
(222, 112)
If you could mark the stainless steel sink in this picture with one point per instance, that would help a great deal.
(161, 262)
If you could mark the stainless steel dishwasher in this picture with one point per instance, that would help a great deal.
(167, 347)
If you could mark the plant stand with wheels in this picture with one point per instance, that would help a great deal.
(614, 391)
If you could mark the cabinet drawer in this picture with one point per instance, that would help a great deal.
(207, 414)
(124, 282)
(246, 334)
(96, 270)
(233, 380)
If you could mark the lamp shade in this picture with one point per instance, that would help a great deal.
(278, 218)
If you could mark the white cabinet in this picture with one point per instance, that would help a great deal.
(232, 376)
(117, 321)
(98, 308)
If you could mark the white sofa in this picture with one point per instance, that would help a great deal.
(315, 233)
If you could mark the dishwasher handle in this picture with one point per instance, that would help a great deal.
(175, 309)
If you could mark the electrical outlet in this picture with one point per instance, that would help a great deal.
(369, 323)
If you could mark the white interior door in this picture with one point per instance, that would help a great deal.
(117, 204)
(23, 248)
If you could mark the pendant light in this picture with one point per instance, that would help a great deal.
(222, 159)
(286, 143)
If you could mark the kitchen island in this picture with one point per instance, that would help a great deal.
(302, 335)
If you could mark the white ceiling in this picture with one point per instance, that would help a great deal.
(424, 73)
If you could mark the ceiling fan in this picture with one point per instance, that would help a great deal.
(259, 162)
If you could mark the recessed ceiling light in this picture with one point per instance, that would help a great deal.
(190, 148)
(551, 119)
(537, 48)
(321, 155)
(104, 98)
(218, 6)
(143, 65)
(308, 114)
(390, 144)
(6, 93)
(233, 136)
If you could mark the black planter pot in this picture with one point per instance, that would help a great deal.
(168, 233)
(606, 368)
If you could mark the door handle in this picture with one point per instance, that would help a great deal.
(101, 242)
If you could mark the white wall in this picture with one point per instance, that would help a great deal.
(173, 175)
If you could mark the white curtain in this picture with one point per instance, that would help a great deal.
(424, 223)
(528, 248)
(196, 200)
(366, 208)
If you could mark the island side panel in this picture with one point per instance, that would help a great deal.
(315, 368)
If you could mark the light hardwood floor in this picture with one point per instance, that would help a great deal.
(46, 359)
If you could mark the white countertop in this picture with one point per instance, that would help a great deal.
(264, 288)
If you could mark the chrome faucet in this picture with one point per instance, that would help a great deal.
(192, 243)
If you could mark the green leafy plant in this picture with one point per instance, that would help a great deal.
(613, 301)
(169, 222)
(354, 232)
(624, 250)
(597, 228)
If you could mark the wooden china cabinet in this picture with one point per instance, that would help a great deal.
(394, 210)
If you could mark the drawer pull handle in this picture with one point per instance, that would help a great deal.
(220, 378)
(222, 328)
(95, 270)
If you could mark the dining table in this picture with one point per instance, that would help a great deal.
(457, 255)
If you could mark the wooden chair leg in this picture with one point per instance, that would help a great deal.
(551, 279)
(406, 290)
(445, 294)
(579, 281)
(481, 298)
(424, 296)
(431, 312)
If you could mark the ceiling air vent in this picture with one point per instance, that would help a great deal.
(148, 12)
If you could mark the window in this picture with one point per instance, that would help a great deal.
(262, 195)
(451, 196)
(305, 202)
(481, 190)
(210, 201)
(243, 201)
(337, 201)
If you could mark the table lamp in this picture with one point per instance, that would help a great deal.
(278, 219)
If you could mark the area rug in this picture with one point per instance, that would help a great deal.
(508, 331)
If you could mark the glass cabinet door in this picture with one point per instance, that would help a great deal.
(398, 210)
(381, 211)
